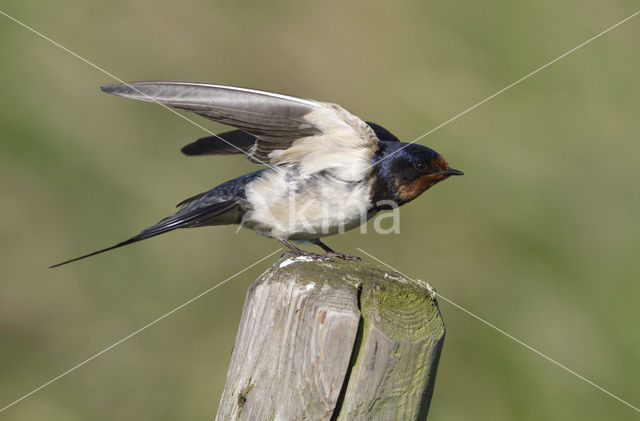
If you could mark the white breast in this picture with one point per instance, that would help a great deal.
(288, 205)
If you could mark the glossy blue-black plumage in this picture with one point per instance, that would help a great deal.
(395, 165)
(229, 190)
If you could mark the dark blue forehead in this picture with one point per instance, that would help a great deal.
(410, 151)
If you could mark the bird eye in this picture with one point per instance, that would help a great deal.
(420, 165)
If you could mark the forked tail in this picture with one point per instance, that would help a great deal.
(191, 216)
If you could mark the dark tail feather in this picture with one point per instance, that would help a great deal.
(124, 243)
(159, 228)
(233, 142)
(182, 219)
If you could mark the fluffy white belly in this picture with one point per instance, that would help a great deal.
(286, 206)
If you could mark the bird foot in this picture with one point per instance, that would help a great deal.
(343, 256)
(303, 253)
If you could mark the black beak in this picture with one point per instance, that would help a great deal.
(451, 171)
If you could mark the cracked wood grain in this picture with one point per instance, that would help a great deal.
(333, 340)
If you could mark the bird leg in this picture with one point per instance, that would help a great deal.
(324, 247)
(331, 253)
(298, 252)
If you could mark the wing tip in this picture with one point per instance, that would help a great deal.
(190, 149)
(124, 88)
(113, 88)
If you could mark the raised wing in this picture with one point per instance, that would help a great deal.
(239, 141)
(288, 129)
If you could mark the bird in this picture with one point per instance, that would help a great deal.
(325, 169)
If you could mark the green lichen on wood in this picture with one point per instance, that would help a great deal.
(408, 318)
(394, 307)
(334, 272)
(405, 313)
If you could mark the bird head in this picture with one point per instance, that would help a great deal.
(410, 170)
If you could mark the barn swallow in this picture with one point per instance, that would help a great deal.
(327, 170)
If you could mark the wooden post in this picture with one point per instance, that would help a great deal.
(333, 340)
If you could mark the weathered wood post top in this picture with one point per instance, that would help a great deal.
(333, 340)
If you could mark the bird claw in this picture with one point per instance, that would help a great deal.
(343, 256)
(302, 253)
(328, 255)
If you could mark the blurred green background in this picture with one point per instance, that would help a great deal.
(541, 237)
